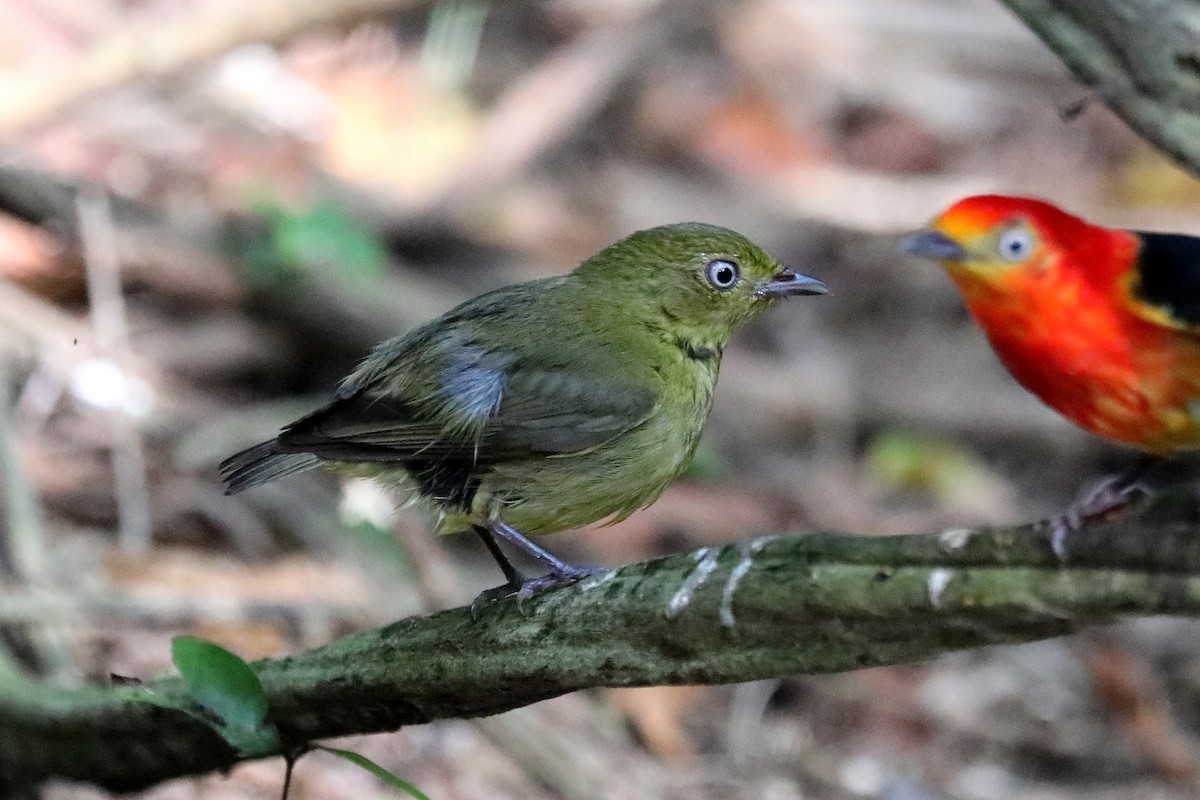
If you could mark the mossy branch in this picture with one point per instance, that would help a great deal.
(770, 607)
(1141, 57)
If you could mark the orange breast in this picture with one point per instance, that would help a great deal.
(1095, 362)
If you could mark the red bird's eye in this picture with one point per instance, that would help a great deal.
(1015, 244)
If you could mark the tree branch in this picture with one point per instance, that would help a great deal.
(1142, 57)
(772, 607)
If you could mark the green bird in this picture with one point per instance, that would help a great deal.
(545, 405)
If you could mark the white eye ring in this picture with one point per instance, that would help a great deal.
(1015, 244)
(722, 274)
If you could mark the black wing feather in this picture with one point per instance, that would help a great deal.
(260, 464)
(1169, 274)
(547, 413)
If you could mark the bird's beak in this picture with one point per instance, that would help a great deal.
(787, 283)
(932, 244)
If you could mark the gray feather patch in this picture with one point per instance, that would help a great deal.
(474, 390)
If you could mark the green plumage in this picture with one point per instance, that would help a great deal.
(550, 404)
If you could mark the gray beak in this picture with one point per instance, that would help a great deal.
(790, 284)
(931, 244)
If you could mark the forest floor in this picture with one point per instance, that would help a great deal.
(212, 211)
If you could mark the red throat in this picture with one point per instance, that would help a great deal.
(1064, 328)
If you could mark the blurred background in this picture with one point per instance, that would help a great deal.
(211, 210)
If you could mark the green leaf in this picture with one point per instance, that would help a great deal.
(226, 686)
(706, 465)
(282, 244)
(376, 770)
(380, 547)
(220, 681)
(325, 236)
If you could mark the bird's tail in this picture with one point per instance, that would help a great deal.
(261, 463)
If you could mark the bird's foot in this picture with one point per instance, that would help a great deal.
(1106, 498)
(525, 588)
(489, 596)
(551, 580)
(561, 573)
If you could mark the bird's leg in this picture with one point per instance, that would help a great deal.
(511, 573)
(515, 580)
(1115, 493)
(533, 549)
(560, 574)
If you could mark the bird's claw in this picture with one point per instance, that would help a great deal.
(1107, 497)
(552, 580)
(1060, 527)
(528, 587)
(489, 596)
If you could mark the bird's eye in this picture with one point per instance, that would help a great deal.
(722, 274)
(1015, 244)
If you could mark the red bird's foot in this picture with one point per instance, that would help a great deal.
(1114, 494)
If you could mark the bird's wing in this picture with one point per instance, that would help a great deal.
(562, 410)
(483, 410)
(1168, 279)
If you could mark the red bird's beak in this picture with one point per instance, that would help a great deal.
(789, 284)
(932, 244)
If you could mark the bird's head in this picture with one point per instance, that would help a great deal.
(998, 244)
(696, 277)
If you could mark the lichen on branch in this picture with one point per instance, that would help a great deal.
(769, 607)
(1141, 57)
